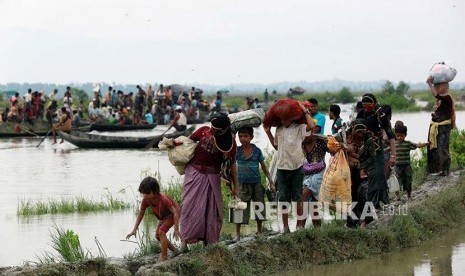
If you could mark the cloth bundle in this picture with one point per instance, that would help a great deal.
(314, 167)
(288, 109)
(442, 72)
(179, 155)
(247, 118)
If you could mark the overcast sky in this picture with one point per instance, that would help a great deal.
(226, 42)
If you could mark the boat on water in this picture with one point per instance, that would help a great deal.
(108, 127)
(87, 140)
(23, 129)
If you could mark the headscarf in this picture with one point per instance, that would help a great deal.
(221, 129)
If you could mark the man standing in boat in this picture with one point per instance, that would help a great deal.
(179, 121)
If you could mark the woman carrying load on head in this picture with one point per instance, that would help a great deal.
(442, 122)
(202, 202)
(376, 122)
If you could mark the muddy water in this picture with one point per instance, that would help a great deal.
(442, 256)
(64, 171)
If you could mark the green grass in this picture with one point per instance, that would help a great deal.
(67, 246)
(28, 207)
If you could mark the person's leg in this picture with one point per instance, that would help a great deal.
(164, 245)
(258, 197)
(296, 179)
(54, 135)
(408, 181)
(306, 195)
(284, 197)
(238, 232)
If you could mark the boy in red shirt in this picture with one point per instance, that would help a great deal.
(165, 209)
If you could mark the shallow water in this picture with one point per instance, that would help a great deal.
(56, 171)
(442, 256)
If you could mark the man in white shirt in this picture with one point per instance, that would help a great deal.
(288, 142)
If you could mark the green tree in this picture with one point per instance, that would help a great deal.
(345, 96)
(388, 88)
(402, 88)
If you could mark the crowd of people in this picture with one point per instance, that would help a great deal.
(114, 107)
(373, 148)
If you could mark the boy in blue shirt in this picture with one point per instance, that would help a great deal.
(317, 116)
(248, 157)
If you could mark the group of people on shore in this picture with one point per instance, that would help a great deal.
(373, 147)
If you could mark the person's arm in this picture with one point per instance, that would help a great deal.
(433, 90)
(308, 118)
(268, 175)
(421, 145)
(136, 225)
(270, 136)
(175, 213)
(176, 119)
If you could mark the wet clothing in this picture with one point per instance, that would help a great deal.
(162, 212)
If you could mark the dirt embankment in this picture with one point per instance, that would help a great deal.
(438, 205)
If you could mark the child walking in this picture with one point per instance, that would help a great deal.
(248, 157)
(403, 168)
(288, 143)
(165, 209)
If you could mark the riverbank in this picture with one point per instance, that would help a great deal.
(438, 205)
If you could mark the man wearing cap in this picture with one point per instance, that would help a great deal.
(180, 121)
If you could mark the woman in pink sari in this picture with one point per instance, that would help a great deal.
(202, 202)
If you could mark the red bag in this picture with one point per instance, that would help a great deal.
(287, 109)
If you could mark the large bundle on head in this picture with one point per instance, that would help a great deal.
(442, 72)
(284, 109)
(247, 118)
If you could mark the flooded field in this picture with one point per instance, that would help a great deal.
(52, 172)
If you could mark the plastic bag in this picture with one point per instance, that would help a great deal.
(442, 72)
(336, 184)
(247, 118)
(392, 182)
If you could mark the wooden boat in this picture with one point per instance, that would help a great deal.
(86, 140)
(12, 130)
(108, 127)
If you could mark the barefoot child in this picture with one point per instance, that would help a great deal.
(165, 209)
(248, 157)
(403, 168)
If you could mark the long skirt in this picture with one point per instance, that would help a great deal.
(439, 158)
(377, 185)
(201, 207)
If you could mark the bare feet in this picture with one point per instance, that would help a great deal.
(162, 258)
(54, 143)
(62, 141)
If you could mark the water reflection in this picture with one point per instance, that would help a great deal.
(442, 256)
